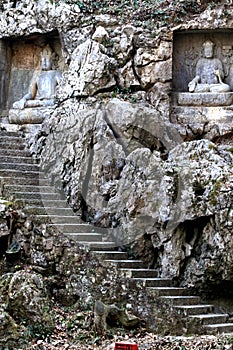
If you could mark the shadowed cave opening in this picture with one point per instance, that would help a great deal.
(192, 231)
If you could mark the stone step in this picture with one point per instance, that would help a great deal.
(12, 145)
(85, 236)
(29, 188)
(100, 246)
(15, 152)
(36, 195)
(219, 328)
(12, 159)
(32, 210)
(75, 228)
(166, 291)
(207, 319)
(28, 184)
(21, 174)
(116, 255)
(154, 282)
(140, 273)
(186, 310)
(58, 203)
(181, 300)
(36, 181)
(20, 166)
(11, 139)
(127, 264)
(4, 132)
(58, 219)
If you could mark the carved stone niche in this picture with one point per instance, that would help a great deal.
(188, 49)
(202, 81)
(24, 60)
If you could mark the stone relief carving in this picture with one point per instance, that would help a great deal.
(43, 85)
(227, 58)
(33, 107)
(209, 72)
(203, 83)
(191, 57)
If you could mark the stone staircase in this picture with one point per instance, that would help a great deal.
(21, 178)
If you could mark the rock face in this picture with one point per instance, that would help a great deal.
(115, 141)
(26, 298)
(10, 333)
(182, 203)
(54, 269)
(192, 214)
(92, 71)
(115, 315)
(58, 267)
(114, 136)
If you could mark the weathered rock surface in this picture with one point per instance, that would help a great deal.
(111, 145)
(186, 199)
(26, 298)
(113, 315)
(110, 132)
(131, 189)
(11, 335)
(198, 217)
(116, 157)
(70, 275)
(90, 72)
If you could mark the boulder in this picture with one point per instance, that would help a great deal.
(113, 315)
(154, 65)
(90, 71)
(26, 297)
(107, 139)
(194, 215)
(11, 335)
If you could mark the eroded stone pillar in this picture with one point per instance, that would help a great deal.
(5, 60)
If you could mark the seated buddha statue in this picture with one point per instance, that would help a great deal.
(43, 85)
(209, 73)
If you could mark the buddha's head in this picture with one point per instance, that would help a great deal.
(208, 47)
(46, 58)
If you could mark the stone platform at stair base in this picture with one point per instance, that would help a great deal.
(193, 114)
(207, 99)
(29, 115)
(211, 121)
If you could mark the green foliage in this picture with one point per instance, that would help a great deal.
(147, 13)
(38, 331)
(75, 2)
(211, 5)
(121, 93)
(211, 146)
(125, 94)
(214, 195)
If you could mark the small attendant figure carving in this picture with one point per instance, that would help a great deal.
(209, 73)
(42, 88)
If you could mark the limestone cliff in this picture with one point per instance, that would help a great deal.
(116, 146)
